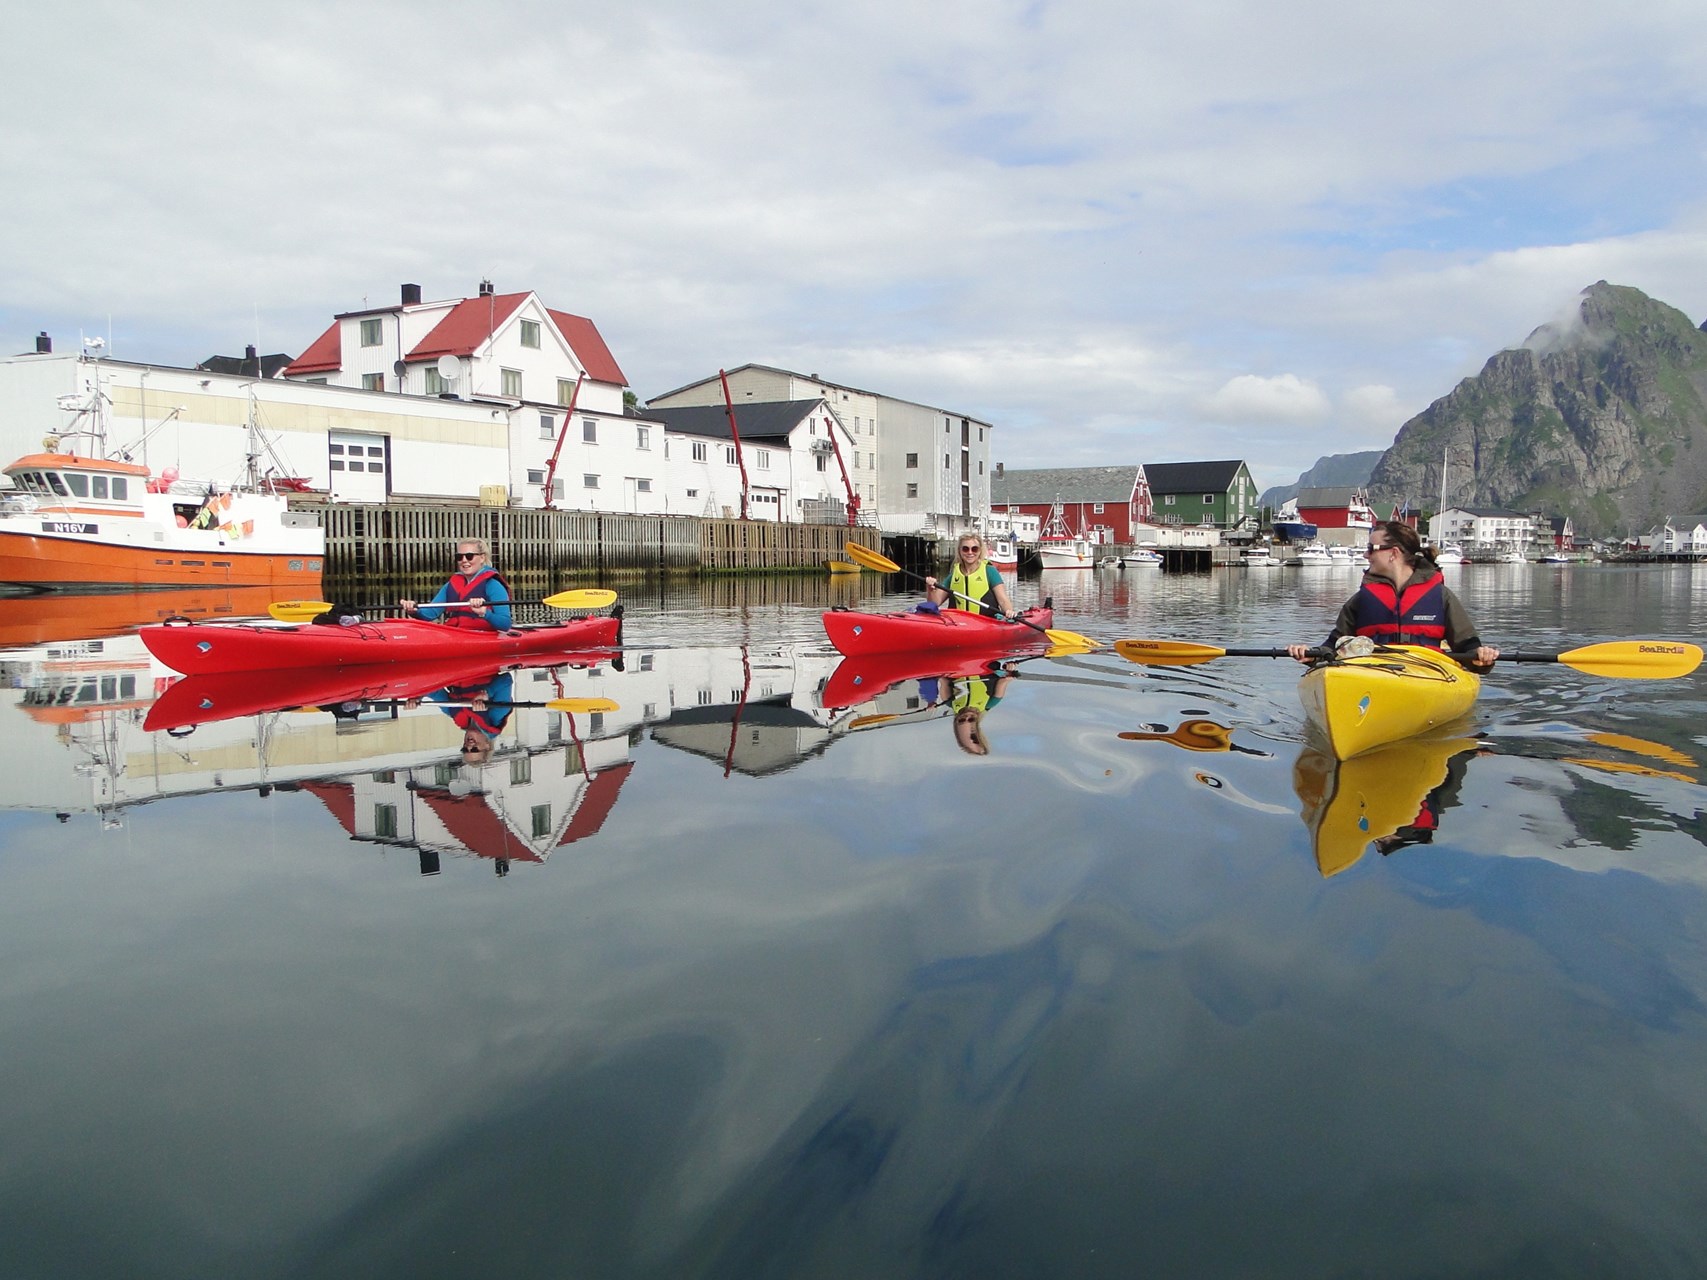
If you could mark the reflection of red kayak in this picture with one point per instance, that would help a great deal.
(855, 633)
(226, 695)
(860, 679)
(198, 649)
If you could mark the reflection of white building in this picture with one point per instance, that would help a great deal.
(74, 743)
(788, 451)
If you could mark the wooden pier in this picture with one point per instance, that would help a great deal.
(395, 542)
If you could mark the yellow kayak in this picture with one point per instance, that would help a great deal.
(1376, 797)
(1363, 703)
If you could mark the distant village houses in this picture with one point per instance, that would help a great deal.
(1106, 505)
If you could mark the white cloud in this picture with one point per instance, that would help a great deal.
(1285, 398)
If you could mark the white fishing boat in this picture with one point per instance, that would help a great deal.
(1258, 558)
(91, 522)
(1557, 557)
(1311, 555)
(1342, 557)
(1449, 555)
(1059, 547)
(1002, 551)
(1141, 558)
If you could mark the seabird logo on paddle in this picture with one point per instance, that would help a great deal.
(1677, 649)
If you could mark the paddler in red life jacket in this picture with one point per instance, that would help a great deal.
(972, 584)
(1404, 600)
(474, 582)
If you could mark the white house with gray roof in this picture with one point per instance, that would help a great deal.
(787, 449)
(918, 469)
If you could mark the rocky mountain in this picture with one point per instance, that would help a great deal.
(1335, 470)
(1601, 417)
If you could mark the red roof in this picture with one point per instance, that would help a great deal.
(339, 799)
(589, 348)
(324, 355)
(466, 325)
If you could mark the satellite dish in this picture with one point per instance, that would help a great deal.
(400, 368)
(450, 368)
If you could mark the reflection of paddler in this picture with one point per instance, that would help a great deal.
(969, 697)
(1391, 796)
(480, 711)
(1193, 735)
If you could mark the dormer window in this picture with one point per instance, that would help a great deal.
(373, 332)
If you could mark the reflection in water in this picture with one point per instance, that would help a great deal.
(506, 765)
(1193, 735)
(1390, 797)
(61, 616)
(966, 687)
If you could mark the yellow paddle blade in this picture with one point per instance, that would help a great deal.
(1071, 641)
(870, 559)
(865, 722)
(585, 598)
(1167, 653)
(581, 706)
(298, 610)
(1631, 659)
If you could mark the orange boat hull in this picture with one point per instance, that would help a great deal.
(35, 561)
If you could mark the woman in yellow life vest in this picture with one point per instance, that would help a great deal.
(973, 584)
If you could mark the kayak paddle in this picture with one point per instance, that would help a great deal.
(883, 564)
(1619, 659)
(585, 598)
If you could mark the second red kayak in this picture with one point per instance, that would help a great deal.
(855, 634)
(200, 648)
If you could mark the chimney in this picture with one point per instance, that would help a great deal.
(44, 344)
(998, 468)
(411, 295)
(485, 288)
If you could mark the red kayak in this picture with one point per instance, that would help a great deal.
(855, 634)
(198, 700)
(857, 680)
(196, 648)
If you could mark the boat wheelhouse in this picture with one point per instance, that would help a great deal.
(102, 523)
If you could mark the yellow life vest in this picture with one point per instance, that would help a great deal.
(974, 586)
(971, 695)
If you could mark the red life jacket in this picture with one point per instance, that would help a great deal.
(461, 587)
(1414, 615)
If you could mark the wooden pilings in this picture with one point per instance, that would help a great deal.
(402, 541)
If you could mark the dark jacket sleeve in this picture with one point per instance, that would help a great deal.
(1460, 630)
(1345, 624)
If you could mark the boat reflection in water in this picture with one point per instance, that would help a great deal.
(56, 616)
(1193, 735)
(887, 688)
(1390, 797)
(505, 765)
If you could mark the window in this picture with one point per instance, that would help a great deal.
(912, 461)
(643, 437)
(912, 491)
(699, 451)
(97, 486)
(1208, 498)
(1167, 500)
(373, 382)
(589, 430)
(565, 391)
(512, 383)
(1096, 508)
(121, 489)
(589, 481)
(79, 485)
(435, 383)
(823, 462)
(373, 332)
(540, 816)
(643, 485)
(945, 463)
(385, 821)
(729, 454)
(762, 459)
(547, 427)
(530, 334)
(536, 476)
(693, 493)
(521, 770)
(384, 775)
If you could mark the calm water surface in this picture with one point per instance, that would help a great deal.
(722, 982)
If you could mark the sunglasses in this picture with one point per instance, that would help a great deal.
(969, 549)
(468, 555)
(1371, 549)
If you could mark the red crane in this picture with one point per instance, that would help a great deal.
(835, 444)
(735, 432)
(568, 420)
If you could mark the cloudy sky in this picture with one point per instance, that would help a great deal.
(1122, 231)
